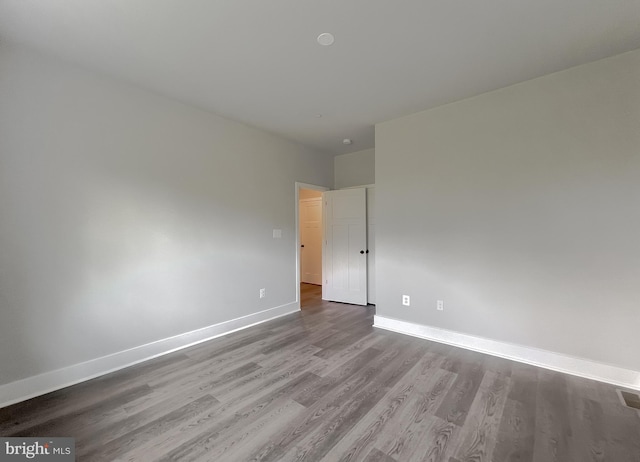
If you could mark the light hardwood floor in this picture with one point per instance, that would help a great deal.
(322, 384)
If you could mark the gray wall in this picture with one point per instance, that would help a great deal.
(521, 209)
(355, 169)
(126, 217)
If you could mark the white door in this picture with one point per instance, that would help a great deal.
(311, 241)
(345, 258)
(371, 246)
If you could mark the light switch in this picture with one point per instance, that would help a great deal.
(277, 234)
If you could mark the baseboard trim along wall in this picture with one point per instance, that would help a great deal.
(542, 358)
(37, 385)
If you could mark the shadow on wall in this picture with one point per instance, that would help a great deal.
(108, 263)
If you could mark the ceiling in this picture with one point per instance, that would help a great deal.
(257, 61)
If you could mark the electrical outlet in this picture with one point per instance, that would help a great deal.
(263, 293)
(406, 300)
(440, 305)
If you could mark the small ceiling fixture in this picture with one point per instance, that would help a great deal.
(347, 141)
(326, 39)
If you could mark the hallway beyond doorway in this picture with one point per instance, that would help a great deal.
(310, 295)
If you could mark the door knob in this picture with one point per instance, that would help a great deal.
(367, 250)
(362, 251)
(302, 245)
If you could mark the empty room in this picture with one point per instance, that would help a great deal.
(361, 230)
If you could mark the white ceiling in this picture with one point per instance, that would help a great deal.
(258, 61)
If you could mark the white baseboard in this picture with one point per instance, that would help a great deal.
(37, 385)
(542, 358)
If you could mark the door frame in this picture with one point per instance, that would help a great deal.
(300, 186)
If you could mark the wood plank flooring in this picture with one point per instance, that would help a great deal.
(322, 384)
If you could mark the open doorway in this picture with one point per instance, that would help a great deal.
(310, 229)
(310, 223)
